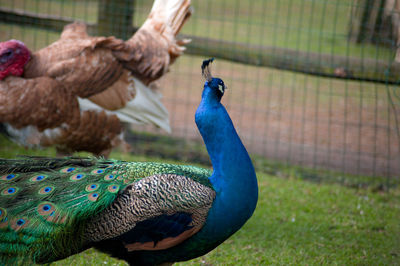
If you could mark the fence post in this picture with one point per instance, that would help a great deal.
(115, 18)
(368, 23)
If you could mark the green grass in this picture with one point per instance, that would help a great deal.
(300, 223)
(296, 223)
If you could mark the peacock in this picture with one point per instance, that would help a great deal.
(145, 213)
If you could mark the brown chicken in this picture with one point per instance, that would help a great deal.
(110, 78)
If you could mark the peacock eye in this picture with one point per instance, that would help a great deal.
(20, 222)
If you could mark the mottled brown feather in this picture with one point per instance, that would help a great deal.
(148, 198)
(117, 95)
(89, 65)
(92, 131)
(83, 63)
(42, 102)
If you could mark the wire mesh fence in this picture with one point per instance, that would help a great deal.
(311, 82)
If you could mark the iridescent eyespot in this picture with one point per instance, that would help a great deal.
(46, 208)
(113, 188)
(109, 177)
(18, 224)
(97, 171)
(46, 190)
(9, 191)
(93, 196)
(38, 178)
(50, 212)
(120, 177)
(91, 187)
(77, 177)
(8, 177)
(67, 170)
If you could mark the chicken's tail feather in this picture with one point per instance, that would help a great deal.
(171, 13)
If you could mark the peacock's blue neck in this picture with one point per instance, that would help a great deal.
(233, 178)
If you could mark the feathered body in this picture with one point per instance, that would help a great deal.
(112, 79)
(52, 208)
(144, 213)
(22, 103)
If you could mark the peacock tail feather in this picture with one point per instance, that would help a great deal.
(46, 203)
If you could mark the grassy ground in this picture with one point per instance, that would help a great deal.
(296, 222)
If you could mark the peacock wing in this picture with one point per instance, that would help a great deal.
(153, 213)
(48, 207)
(150, 51)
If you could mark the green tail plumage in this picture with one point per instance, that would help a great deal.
(46, 203)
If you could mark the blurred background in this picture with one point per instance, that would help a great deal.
(312, 83)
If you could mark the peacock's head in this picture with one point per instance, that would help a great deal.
(214, 83)
(13, 57)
